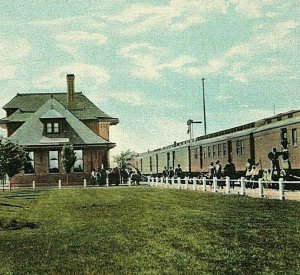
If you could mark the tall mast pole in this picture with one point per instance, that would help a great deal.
(204, 113)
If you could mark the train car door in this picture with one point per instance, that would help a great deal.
(168, 161)
(201, 157)
(173, 160)
(252, 148)
(156, 164)
(229, 149)
(190, 158)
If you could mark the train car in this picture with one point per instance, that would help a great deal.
(249, 142)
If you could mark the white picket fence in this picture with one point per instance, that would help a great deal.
(226, 186)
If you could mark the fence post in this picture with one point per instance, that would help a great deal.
(204, 184)
(260, 188)
(178, 183)
(156, 181)
(84, 183)
(148, 180)
(186, 180)
(242, 191)
(107, 182)
(59, 184)
(227, 185)
(281, 189)
(129, 181)
(194, 183)
(172, 182)
(215, 184)
(33, 184)
(167, 182)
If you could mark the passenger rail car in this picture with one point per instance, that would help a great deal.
(253, 141)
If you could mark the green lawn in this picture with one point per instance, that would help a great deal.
(146, 231)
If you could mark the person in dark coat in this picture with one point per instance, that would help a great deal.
(178, 172)
(165, 172)
(171, 172)
(229, 171)
(273, 156)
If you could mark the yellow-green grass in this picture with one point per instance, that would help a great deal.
(146, 231)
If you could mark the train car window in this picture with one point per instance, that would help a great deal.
(196, 153)
(279, 118)
(224, 149)
(150, 164)
(214, 151)
(290, 115)
(208, 152)
(294, 137)
(240, 147)
(204, 152)
(219, 150)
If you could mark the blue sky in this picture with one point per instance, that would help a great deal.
(143, 61)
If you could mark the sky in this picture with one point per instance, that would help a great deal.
(143, 61)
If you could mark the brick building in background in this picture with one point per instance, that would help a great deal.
(45, 122)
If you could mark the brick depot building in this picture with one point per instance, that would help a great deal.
(45, 122)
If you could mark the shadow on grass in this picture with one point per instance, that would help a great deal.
(29, 195)
(17, 225)
(10, 205)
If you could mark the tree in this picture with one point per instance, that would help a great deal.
(124, 159)
(68, 158)
(13, 158)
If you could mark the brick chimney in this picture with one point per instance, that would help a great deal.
(71, 89)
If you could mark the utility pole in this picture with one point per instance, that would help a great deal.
(204, 113)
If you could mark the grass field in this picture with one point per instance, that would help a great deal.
(146, 231)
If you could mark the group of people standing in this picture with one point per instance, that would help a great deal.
(215, 170)
(115, 176)
(171, 173)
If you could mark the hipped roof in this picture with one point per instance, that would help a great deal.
(81, 107)
(30, 133)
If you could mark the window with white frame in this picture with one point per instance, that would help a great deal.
(78, 165)
(55, 127)
(52, 127)
(29, 166)
(53, 162)
(49, 127)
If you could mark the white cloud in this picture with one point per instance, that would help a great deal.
(252, 8)
(91, 74)
(169, 130)
(78, 36)
(246, 60)
(176, 16)
(88, 21)
(72, 41)
(180, 15)
(7, 71)
(149, 61)
(12, 52)
(135, 99)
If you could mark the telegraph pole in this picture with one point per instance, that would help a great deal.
(204, 113)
